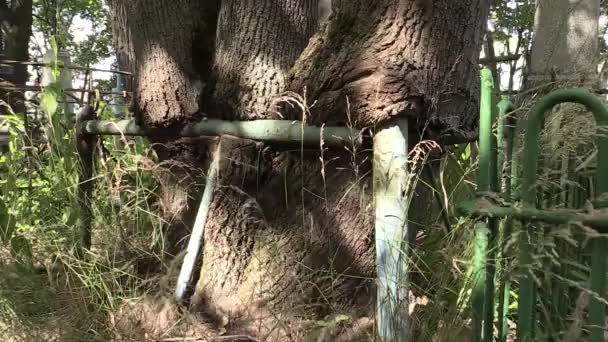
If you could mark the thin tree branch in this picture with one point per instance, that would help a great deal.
(499, 59)
(71, 67)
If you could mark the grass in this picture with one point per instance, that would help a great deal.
(121, 290)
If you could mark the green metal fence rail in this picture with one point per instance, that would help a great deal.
(491, 205)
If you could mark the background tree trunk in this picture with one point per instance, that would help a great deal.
(16, 29)
(565, 44)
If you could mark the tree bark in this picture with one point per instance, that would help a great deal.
(290, 231)
(282, 241)
(16, 29)
(257, 42)
(397, 58)
(565, 43)
(165, 45)
(289, 235)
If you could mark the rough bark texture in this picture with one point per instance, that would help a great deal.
(165, 44)
(284, 242)
(396, 57)
(16, 29)
(290, 232)
(257, 42)
(157, 40)
(565, 41)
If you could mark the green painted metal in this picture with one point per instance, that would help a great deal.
(505, 143)
(483, 287)
(530, 170)
(493, 223)
(390, 189)
(280, 131)
(490, 207)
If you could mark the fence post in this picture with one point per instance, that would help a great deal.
(85, 146)
(390, 189)
(483, 285)
(506, 133)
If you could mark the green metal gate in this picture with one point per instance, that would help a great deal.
(491, 205)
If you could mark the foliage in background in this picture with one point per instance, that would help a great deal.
(55, 18)
(39, 216)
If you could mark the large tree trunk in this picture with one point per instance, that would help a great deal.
(257, 43)
(397, 58)
(291, 235)
(16, 29)
(164, 45)
(290, 231)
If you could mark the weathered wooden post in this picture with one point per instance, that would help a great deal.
(390, 195)
(85, 145)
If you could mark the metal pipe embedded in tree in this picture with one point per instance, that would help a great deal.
(85, 145)
(390, 195)
(278, 131)
(196, 237)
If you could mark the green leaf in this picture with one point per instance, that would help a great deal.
(50, 96)
(7, 223)
(55, 67)
(342, 318)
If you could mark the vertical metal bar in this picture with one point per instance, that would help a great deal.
(196, 237)
(506, 134)
(559, 295)
(597, 307)
(117, 102)
(486, 182)
(599, 256)
(488, 330)
(390, 189)
(530, 169)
